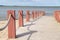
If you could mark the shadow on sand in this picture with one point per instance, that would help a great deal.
(26, 33)
(30, 32)
(29, 24)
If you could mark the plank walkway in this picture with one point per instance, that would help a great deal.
(44, 28)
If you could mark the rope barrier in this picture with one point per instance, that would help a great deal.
(6, 23)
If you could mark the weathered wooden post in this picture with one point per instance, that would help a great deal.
(11, 25)
(27, 16)
(57, 15)
(33, 14)
(20, 18)
(38, 14)
(43, 13)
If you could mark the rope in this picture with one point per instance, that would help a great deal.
(6, 23)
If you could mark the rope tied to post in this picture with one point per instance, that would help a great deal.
(6, 23)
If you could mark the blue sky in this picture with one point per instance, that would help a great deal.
(30, 2)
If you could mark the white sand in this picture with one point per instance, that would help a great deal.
(44, 28)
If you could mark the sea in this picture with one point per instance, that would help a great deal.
(49, 10)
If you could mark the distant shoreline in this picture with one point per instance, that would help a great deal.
(47, 9)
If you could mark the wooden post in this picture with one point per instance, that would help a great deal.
(27, 16)
(57, 15)
(20, 18)
(40, 13)
(36, 14)
(43, 13)
(33, 14)
(11, 25)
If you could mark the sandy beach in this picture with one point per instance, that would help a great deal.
(44, 28)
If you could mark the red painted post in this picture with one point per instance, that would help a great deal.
(36, 14)
(57, 15)
(11, 25)
(20, 18)
(39, 13)
(27, 16)
(33, 14)
(43, 13)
